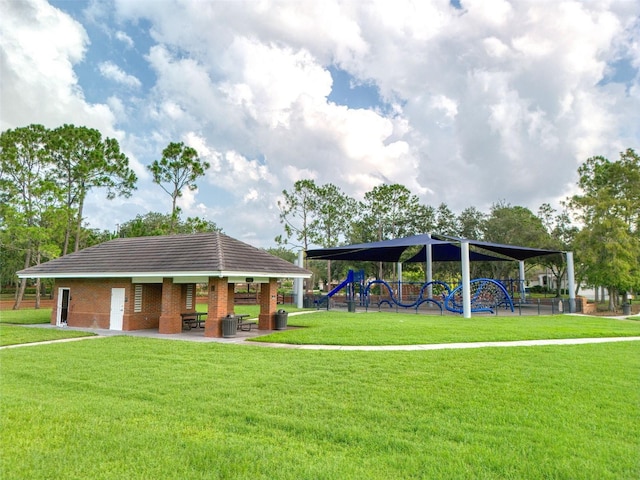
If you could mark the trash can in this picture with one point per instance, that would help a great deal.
(281, 319)
(229, 326)
(351, 305)
(626, 309)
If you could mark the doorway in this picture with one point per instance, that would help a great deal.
(63, 307)
(117, 309)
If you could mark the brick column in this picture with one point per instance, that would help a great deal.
(586, 308)
(170, 320)
(54, 310)
(231, 297)
(217, 309)
(268, 304)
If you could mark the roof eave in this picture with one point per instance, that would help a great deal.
(220, 274)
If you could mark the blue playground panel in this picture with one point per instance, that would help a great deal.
(415, 304)
(486, 294)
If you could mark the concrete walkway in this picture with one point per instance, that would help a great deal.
(451, 346)
(48, 342)
(241, 338)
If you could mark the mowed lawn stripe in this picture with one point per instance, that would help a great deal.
(142, 408)
(388, 328)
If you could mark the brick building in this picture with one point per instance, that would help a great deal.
(148, 282)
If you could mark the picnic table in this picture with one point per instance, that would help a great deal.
(243, 324)
(193, 319)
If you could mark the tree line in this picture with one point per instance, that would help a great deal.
(46, 175)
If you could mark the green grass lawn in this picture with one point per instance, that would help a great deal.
(15, 334)
(136, 408)
(26, 316)
(380, 328)
(384, 328)
(11, 333)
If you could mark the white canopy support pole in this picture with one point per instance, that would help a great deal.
(295, 286)
(571, 283)
(523, 296)
(466, 280)
(399, 281)
(299, 286)
(429, 269)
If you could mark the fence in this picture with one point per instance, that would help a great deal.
(377, 302)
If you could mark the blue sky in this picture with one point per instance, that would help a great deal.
(463, 102)
(347, 90)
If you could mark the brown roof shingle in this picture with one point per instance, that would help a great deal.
(211, 254)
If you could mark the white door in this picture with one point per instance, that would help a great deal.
(117, 309)
(63, 307)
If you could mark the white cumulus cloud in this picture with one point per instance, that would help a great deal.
(112, 72)
(496, 100)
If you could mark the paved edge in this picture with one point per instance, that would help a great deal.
(452, 346)
(371, 348)
(48, 342)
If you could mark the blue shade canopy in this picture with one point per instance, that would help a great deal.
(453, 253)
(512, 251)
(382, 251)
(444, 249)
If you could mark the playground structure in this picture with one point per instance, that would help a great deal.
(487, 295)
(446, 248)
(353, 282)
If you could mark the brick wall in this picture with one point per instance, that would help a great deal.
(583, 306)
(90, 301)
(149, 317)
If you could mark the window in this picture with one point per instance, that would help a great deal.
(189, 297)
(137, 299)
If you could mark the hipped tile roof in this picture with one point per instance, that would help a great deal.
(210, 254)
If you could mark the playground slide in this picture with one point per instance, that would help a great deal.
(346, 282)
(352, 278)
